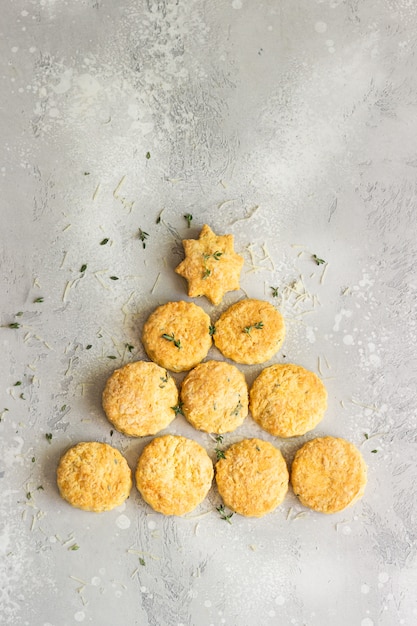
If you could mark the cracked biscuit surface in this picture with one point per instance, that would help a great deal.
(328, 474)
(94, 476)
(138, 399)
(287, 400)
(215, 397)
(177, 335)
(252, 479)
(174, 474)
(211, 266)
(250, 331)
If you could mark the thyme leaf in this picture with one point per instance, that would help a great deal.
(176, 342)
(258, 326)
(189, 218)
(178, 408)
(143, 236)
(223, 515)
(317, 260)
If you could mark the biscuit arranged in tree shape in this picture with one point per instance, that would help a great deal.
(211, 266)
(328, 474)
(174, 474)
(177, 335)
(94, 476)
(139, 399)
(252, 478)
(287, 400)
(250, 331)
(214, 397)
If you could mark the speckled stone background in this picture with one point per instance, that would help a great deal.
(292, 125)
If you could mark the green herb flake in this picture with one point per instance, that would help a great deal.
(275, 292)
(178, 408)
(14, 325)
(111, 356)
(223, 515)
(206, 273)
(33, 459)
(63, 407)
(22, 396)
(142, 561)
(88, 347)
(114, 278)
(258, 326)
(374, 451)
(212, 330)
(237, 409)
(48, 437)
(111, 433)
(40, 488)
(366, 435)
(129, 347)
(219, 454)
(219, 438)
(317, 260)
(17, 383)
(104, 241)
(83, 268)
(143, 236)
(148, 155)
(74, 547)
(28, 495)
(176, 342)
(19, 314)
(189, 219)
(38, 300)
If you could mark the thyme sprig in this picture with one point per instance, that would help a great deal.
(216, 256)
(178, 408)
(176, 342)
(189, 219)
(143, 237)
(317, 260)
(223, 515)
(258, 326)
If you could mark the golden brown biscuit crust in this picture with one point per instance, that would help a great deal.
(287, 400)
(94, 476)
(177, 335)
(138, 399)
(174, 474)
(252, 479)
(211, 266)
(250, 331)
(328, 474)
(215, 397)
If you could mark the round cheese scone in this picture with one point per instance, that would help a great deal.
(174, 474)
(177, 335)
(215, 397)
(287, 400)
(252, 478)
(94, 476)
(328, 474)
(139, 399)
(250, 331)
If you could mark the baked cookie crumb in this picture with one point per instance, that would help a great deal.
(94, 476)
(211, 266)
(328, 474)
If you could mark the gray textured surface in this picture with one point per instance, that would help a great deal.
(290, 124)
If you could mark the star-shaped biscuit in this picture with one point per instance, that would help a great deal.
(211, 266)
